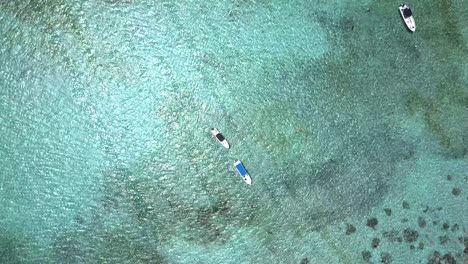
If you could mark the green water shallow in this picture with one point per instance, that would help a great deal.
(335, 109)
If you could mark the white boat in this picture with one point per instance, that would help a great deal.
(219, 137)
(407, 15)
(243, 172)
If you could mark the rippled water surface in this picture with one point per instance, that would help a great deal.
(354, 131)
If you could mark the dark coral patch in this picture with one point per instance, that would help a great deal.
(437, 258)
(465, 241)
(410, 235)
(431, 210)
(386, 258)
(421, 246)
(456, 191)
(393, 236)
(449, 259)
(375, 243)
(444, 239)
(350, 229)
(421, 222)
(372, 222)
(455, 228)
(388, 211)
(445, 226)
(366, 255)
(405, 205)
(304, 261)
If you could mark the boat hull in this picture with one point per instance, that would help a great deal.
(409, 21)
(243, 172)
(216, 133)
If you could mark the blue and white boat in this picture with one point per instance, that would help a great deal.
(243, 172)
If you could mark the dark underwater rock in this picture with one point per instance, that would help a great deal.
(465, 242)
(426, 210)
(372, 222)
(444, 239)
(421, 222)
(386, 258)
(456, 191)
(388, 211)
(437, 258)
(410, 235)
(366, 255)
(304, 261)
(421, 246)
(405, 205)
(350, 229)
(375, 242)
(411, 247)
(449, 259)
(347, 24)
(393, 236)
(445, 226)
(455, 228)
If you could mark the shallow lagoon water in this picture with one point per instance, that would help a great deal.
(353, 129)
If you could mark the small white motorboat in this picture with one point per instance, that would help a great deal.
(243, 172)
(219, 137)
(407, 16)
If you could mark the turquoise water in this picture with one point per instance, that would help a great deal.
(353, 129)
